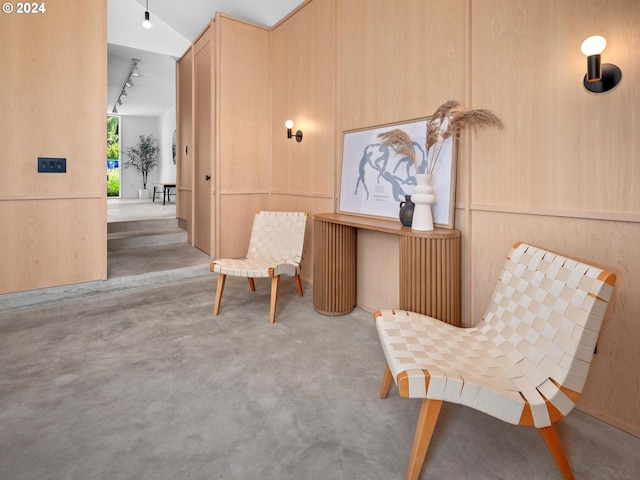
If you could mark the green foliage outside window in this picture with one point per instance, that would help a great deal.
(113, 182)
(113, 154)
(113, 144)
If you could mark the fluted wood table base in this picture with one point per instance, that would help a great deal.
(334, 268)
(429, 266)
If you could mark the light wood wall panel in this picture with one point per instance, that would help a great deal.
(564, 172)
(242, 120)
(612, 387)
(378, 273)
(53, 95)
(52, 242)
(53, 86)
(564, 147)
(303, 76)
(242, 73)
(303, 90)
(395, 61)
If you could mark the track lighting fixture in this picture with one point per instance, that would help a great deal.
(133, 72)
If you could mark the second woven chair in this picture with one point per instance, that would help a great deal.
(275, 248)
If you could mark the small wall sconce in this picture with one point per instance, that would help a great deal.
(600, 77)
(289, 125)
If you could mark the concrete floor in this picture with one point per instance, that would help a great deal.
(145, 383)
(133, 378)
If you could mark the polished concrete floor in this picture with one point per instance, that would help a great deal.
(140, 381)
(145, 383)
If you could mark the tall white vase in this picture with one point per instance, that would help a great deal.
(423, 197)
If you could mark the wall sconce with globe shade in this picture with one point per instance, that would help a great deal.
(298, 135)
(600, 77)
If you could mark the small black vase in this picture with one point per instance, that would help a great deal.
(406, 211)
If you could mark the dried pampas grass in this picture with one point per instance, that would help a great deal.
(434, 125)
(474, 118)
(458, 119)
(448, 120)
(401, 142)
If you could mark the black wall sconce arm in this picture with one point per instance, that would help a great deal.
(298, 134)
(600, 77)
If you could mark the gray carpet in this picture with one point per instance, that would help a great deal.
(147, 384)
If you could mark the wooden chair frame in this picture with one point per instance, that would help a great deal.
(546, 308)
(275, 248)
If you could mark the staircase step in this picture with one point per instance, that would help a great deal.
(142, 225)
(145, 238)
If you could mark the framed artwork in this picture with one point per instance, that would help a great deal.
(375, 179)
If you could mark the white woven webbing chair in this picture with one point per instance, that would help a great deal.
(275, 248)
(525, 362)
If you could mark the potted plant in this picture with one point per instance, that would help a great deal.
(144, 158)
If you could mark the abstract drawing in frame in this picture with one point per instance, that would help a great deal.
(375, 179)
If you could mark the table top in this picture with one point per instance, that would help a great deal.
(384, 225)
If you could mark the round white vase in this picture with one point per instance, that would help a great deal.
(423, 197)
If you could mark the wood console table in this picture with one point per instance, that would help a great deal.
(429, 266)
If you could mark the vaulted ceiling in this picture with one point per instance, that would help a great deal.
(175, 24)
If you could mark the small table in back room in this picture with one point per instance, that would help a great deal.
(166, 191)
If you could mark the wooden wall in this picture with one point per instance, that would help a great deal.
(242, 121)
(563, 174)
(53, 87)
(303, 75)
(223, 116)
(395, 62)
